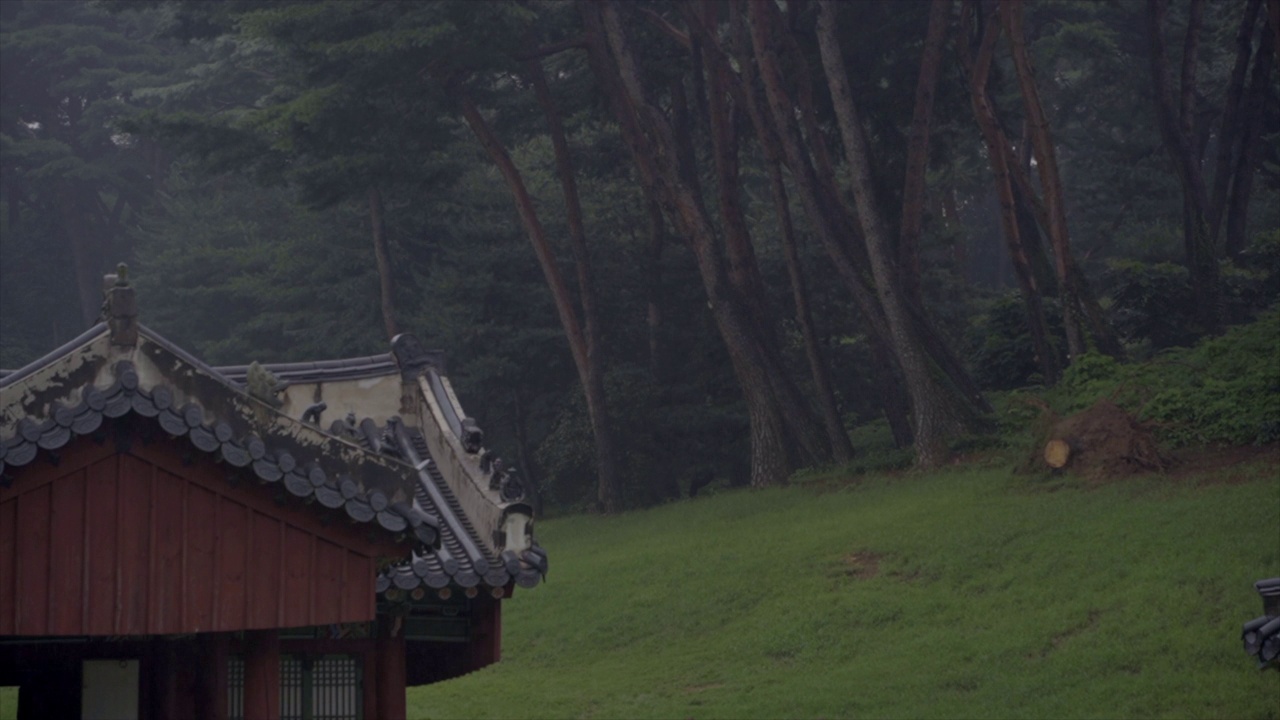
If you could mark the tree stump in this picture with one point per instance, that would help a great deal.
(1057, 453)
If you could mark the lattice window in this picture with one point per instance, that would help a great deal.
(312, 687)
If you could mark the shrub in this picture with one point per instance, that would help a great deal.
(1225, 389)
(1002, 354)
(1151, 302)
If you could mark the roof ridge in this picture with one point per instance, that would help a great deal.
(84, 338)
(301, 476)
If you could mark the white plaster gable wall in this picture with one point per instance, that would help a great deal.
(376, 397)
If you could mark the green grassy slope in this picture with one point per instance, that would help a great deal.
(966, 593)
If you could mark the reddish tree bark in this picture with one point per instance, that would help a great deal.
(978, 70)
(608, 478)
(837, 436)
(918, 150)
(779, 440)
(653, 288)
(1050, 179)
(743, 269)
(815, 180)
(609, 493)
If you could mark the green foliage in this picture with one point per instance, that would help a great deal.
(1003, 355)
(1151, 302)
(953, 594)
(876, 449)
(229, 275)
(72, 183)
(1253, 278)
(1153, 305)
(267, 123)
(671, 440)
(1223, 390)
(34, 284)
(1230, 395)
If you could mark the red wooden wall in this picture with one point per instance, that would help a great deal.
(109, 543)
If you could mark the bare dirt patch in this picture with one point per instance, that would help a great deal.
(862, 565)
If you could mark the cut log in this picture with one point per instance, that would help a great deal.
(1103, 442)
(1057, 453)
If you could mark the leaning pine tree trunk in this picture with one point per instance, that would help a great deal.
(918, 150)
(743, 272)
(937, 414)
(606, 463)
(842, 448)
(978, 70)
(776, 448)
(609, 494)
(1050, 180)
(835, 224)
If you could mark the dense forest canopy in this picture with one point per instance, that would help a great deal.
(663, 242)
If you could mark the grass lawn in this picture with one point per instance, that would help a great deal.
(968, 593)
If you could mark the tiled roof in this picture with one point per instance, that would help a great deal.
(302, 471)
(9, 377)
(462, 558)
(385, 476)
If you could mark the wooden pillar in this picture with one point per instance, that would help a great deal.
(161, 668)
(261, 675)
(369, 677)
(390, 670)
(210, 689)
(174, 670)
(51, 688)
(486, 639)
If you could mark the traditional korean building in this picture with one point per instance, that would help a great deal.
(281, 541)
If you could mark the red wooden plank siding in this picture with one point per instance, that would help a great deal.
(297, 578)
(8, 565)
(135, 544)
(66, 576)
(328, 582)
(100, 548)
(264, 571)
(233, 547)
(139, 543)
(33, 561)
(165, 605)
(356, 598)
(197, 575)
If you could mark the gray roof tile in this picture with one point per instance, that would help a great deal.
(449, 551)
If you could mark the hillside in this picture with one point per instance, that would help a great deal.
(965, 593)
